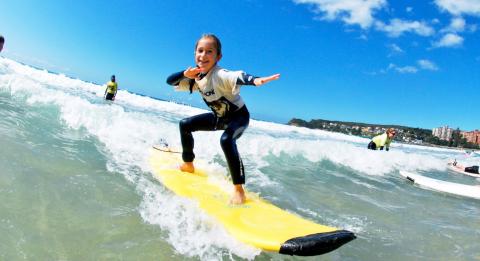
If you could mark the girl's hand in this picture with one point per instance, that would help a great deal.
(262, 80)
(192, 73)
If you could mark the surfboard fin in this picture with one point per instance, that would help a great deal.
(316, 244)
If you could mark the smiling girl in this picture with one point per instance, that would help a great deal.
(220, 89)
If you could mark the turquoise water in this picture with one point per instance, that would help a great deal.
(75, 183)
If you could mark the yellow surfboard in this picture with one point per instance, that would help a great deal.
(257, 222)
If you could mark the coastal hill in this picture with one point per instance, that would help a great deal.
(405, 134)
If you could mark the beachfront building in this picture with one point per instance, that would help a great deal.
(472, 136)
(443, 133)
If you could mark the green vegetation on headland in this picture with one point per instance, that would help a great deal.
(404, 134)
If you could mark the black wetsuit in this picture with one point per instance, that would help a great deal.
(109, 96)
(235, 121)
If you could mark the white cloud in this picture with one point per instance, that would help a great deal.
(407, 69)
(449, 40)
(397, 27)
(404, 69)
(362, 13)
(427, 65)
(363, 37)
(472, 28)
(457, 24)
(422, 65)
(395, 48)
(460, 7)
(353, 12)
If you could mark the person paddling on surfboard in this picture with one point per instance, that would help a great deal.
(382, 140)
(220, 89)
(471, 169)
(111, 90)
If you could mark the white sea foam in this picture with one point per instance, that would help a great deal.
(190, 231)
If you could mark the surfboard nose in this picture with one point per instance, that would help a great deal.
(316, 244)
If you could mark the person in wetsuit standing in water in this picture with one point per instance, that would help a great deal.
(111, 90)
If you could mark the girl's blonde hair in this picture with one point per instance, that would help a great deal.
(218, 44)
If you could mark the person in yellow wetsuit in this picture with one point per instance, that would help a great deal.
(383, 140)
(111, 90)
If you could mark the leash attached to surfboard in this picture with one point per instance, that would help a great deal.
(163, 146)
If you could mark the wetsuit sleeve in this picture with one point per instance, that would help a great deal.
(184, 85)
(387, 144)
(228, 80)
(246, 79)
(175, 78)
(377, 141)
(180, 82)
(233, 80)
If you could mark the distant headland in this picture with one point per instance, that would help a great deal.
(405, 134)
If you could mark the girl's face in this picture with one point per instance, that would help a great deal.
(206, 55)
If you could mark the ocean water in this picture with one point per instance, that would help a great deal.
(75, 183)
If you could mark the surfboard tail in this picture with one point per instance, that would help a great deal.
(316, 244)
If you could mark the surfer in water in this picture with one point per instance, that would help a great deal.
(220, 89)
(383, 140)
(471, 169)
(111, 90)
(2, 42)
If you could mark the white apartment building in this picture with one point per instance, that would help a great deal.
(443, 133)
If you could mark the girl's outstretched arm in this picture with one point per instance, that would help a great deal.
(247, 79)
(262, 80)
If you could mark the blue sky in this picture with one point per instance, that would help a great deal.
(413, 63)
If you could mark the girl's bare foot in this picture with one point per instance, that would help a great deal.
(187, 167)
(238, 196)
